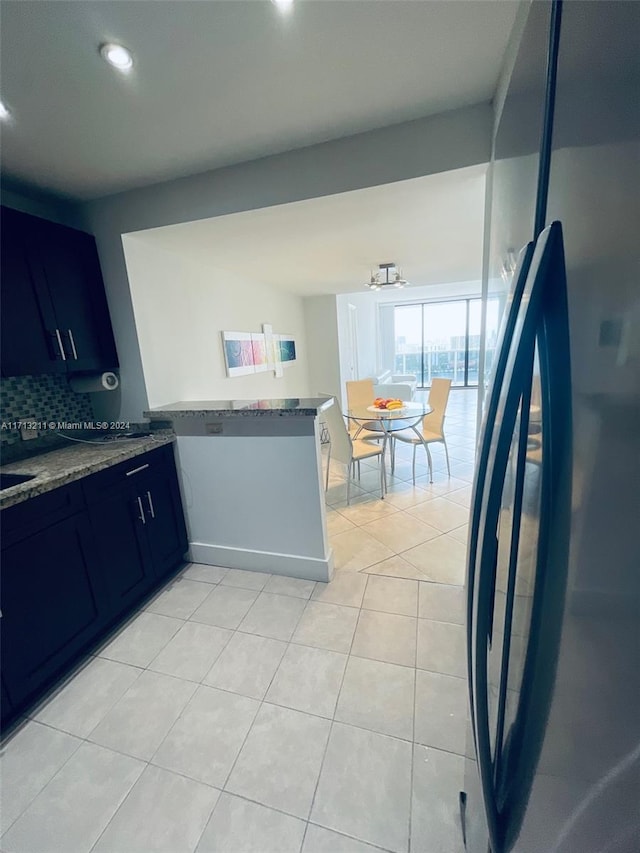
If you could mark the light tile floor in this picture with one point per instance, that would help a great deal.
(248, 713)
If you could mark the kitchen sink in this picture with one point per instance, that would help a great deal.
(8, 480)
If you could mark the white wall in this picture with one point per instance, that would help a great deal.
(180, 307)
(426, 146)
(321, 324)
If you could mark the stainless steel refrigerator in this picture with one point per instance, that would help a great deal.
(553, 618)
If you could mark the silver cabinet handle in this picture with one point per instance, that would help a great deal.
(62, 352)
(73, 344)
(153, 515)
(141, 516)
(135, 470)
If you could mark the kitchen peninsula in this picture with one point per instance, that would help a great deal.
(252, 487)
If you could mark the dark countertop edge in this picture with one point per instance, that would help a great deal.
(276, 412)
(42, 484)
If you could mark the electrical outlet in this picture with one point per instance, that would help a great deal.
(26, 433)
(213, 429)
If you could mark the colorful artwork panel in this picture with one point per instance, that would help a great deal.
(238, 353)
(256, 352)
(287, 349)
(259, 347)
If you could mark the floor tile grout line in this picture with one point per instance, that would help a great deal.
(333, 720)
(119, 806)
(150, 761)
(184, 775)
(215, 660)
(40, 790)
(113, 705)
(363, 522)
(206, 823)
(31, 715)
(146, 669)
(262, 701)
(202, 684)
(413, 730)
(87, 738)
(219, 790)
(187, 703)
(147, 760)
(350, 837)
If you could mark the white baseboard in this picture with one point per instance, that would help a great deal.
(290, 565)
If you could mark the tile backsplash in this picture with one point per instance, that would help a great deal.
(45, 398)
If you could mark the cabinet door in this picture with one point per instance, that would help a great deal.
(28, 348)
(51, 604)
(166, 529)
(6, 708)
(119, 524)
(70, 267)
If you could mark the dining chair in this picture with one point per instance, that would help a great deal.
(349, 450)
(360, 394)
(432, 428)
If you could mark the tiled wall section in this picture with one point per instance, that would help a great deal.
(46, 398)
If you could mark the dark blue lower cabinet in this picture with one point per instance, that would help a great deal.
(76, 561)
(5, 703)
(160, 498)
(52, 604)
(123, 547)
(138, 522)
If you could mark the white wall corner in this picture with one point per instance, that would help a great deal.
(508, 64)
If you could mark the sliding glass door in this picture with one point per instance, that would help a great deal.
(442, 339)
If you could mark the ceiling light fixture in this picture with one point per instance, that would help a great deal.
(5, 113)
(117, 56)
(388, 275)
(284, 6)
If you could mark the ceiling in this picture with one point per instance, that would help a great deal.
(431, 226)
(216, 83)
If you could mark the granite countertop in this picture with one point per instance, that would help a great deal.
(67, 464)
(284, 407)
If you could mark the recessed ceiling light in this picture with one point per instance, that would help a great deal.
(284, 6)
(4, 111)
(117, 56)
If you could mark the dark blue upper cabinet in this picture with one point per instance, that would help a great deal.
(55, 317)
(27, 348)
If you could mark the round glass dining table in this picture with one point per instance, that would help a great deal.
(369, 419)
(388, 420)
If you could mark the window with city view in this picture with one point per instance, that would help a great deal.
(442, 339)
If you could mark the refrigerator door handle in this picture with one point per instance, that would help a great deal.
(484, 599)
(503, 349)
(492, 567)
(485, 592)
(525, 740)
(517, 375)
(541, 282)
(486, 589)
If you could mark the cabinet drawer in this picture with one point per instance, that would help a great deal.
(29, 517)
(97, 486)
